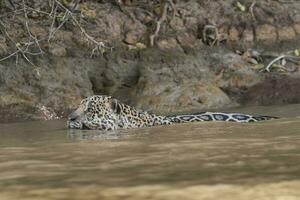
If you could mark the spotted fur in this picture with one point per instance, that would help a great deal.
(106, 113)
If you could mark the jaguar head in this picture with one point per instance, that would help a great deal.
(95, 112)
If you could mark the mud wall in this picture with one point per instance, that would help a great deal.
(199, 59)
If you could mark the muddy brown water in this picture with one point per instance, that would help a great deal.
(211, 160)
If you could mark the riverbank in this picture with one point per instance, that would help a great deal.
(210, 55)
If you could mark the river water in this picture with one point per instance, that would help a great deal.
(206, 160)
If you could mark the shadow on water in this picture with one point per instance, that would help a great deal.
(44, 160)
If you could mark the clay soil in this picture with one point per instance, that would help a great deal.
(163, 56)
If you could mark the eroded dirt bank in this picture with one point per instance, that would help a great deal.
(205, 55)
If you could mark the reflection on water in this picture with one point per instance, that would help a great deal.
(213, 160)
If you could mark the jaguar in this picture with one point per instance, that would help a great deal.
(107, 113)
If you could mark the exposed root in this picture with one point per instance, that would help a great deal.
(167, 4)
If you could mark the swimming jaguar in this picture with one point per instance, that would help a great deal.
(107, 113)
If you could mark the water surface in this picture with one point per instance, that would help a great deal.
(206, 160)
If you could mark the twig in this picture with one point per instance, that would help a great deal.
(12, 4)
(52, 31)
(167, 4)
(26, 19)
(121, 7)
(99, 46)
(52, 5)
(158, 24)
(23, 48)
(75, 5)
(251, 9)
(10, 55)
(29, 32)
(53, 10)
(268, 67)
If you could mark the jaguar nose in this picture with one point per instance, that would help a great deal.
(77, 114)
(73, 116)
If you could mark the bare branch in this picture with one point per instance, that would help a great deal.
(269, 66)
(23, 48)
(10, 55)
(158, 24)
(99, 46)
(251, 9)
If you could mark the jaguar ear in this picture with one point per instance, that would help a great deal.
(114, 104)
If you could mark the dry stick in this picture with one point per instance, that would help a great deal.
(52, 31)
(120, 6)
(10, 55)
(30, 34)
(251, 8)
(3, 30)
(10, 12)
(23, 49)
(18, 46)
(99, 45)
(12, 4)
(75, 5)
(268, 67)
(272, 62)
(162, 19)
(38, 11)
(158, 24)
(52, 6)
(17, 59)
(26, 19)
